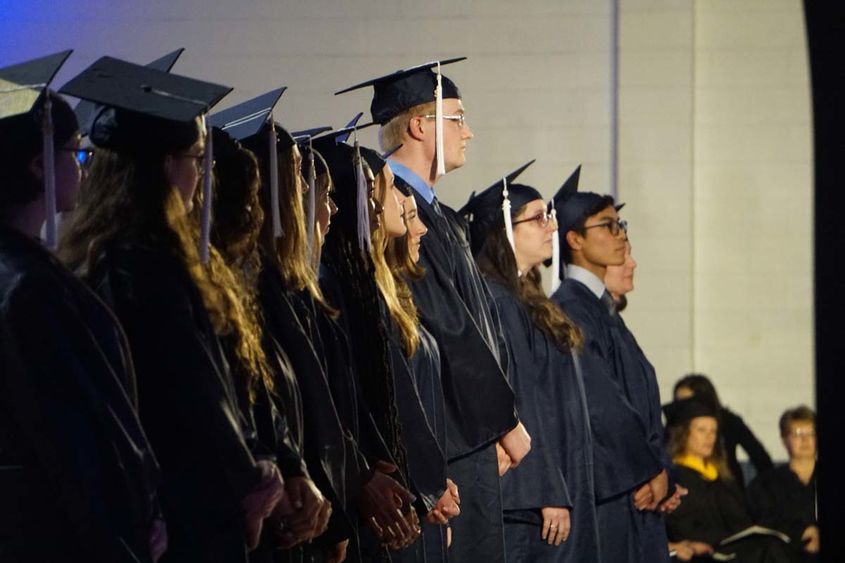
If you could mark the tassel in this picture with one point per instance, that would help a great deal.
(274, 182)
(555, 253)
(506, 213)
(438, 125)
(311, 198)
(205, 231)
(363, 200)
(49, 159)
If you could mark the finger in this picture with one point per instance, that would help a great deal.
(375, 527)
(544, 533)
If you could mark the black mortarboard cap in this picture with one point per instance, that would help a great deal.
(684, 410)
(22, 84)
(85, 110)
(247, 119)
(484, 210)
(146, 110)
(571, 205)
(406, 88)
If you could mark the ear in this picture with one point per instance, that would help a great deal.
(574, 240)
(416, 130)
(36, 167)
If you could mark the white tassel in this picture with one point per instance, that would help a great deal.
(555, 253)
(311, 198)
(205, 231)
(438, 125)
(363, 200)
(49, 161)
(506, 213)
(275, 212)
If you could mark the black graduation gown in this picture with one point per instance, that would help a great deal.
(453, 302)
(325, 446)
(186, 400)
(779, 500)
(734, 432)
(77, 476)
(623, 457)
(637, 377)
(714, 510)
(425, 367)
(426, 460)
(559, 471)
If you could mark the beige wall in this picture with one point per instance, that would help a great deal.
(714, 139)
(728, 127)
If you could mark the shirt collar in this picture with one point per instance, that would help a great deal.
(420, 186)
(588, 278)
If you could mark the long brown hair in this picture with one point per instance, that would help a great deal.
(496, 261)
(677, 445)
(128, 198)
(288, 253)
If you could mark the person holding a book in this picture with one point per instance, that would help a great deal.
(714, 513)
(785, 497)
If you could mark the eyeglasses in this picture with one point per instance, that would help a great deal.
(614, 226)
(83, 156)
(199, 161)
(542, 219)
(460, 119)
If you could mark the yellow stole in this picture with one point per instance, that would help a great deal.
(707, 470)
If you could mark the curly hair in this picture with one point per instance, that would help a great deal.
(128, 198)
(496, 261)
(355, 271)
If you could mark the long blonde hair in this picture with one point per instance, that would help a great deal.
(402, 311)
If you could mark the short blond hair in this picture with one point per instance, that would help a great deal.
(392, 133)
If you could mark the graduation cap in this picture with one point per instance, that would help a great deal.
(345, 164)
(85, 110)
(148, 112)
(252, 123)
(410, 87)
(492, 207)
(681, 411)
(22, 87)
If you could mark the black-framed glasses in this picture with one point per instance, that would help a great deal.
(542, 219)
(460, 118)
(615, 226)
(83, 156)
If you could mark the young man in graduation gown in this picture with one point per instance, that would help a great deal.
(629, 472)
(422, 110)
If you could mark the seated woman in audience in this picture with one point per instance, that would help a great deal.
(733, 430)
(715, 509)
(785, 497)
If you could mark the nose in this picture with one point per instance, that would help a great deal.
(467, 133)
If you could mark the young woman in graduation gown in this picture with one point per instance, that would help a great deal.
(78, 478)
(134, 243)
(271, 404)
(402, 256)
(549, 502)
(294, 310)
(348, 275)
(629, 473)
(427, 463)
(715, 508)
